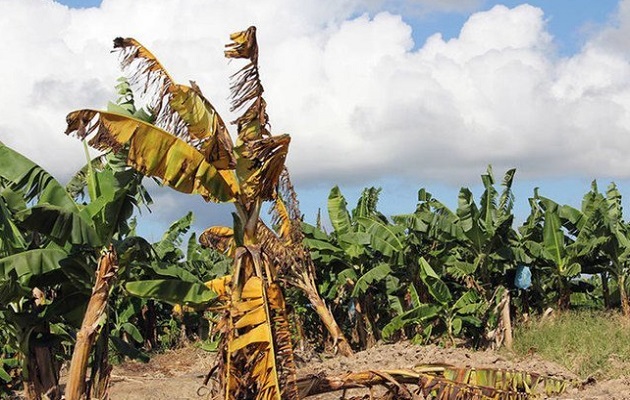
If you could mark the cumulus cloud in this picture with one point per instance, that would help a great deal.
(360, 98)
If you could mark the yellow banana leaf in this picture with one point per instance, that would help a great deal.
(259, 341)
(220, 238)
(501, 379)
(252, 125)
(180, 109)
(444, 389)
(155, 152)
(282, 221)
(252, 351)
(221, 286)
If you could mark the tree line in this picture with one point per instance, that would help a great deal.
(438, 274)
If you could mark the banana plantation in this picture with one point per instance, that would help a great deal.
(81, 291)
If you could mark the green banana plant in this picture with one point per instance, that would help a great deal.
(49, 257)
(471, 249)
(444, 314)
(357, 262)
(484, 234)
(38, 216)
(473, 244)
(604, 239)
(554, 262)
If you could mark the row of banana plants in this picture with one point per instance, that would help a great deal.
(438, 274)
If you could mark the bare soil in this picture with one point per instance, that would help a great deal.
(179, 374)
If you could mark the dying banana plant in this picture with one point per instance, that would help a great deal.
(188, 148)
(285, 246)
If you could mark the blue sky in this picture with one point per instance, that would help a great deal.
(369, 93)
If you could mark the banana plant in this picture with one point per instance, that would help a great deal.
(40, 224)
(357, 261)
(285, 245)
(604, 239)
(547, 241)
(174, 278)
(471, 249)
(444, 314)
(189, 149)
(50, 262)
(484, 234)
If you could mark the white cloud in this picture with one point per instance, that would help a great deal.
(360, 101)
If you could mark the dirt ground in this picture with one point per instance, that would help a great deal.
(179, 374)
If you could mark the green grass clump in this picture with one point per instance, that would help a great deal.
(587, 343)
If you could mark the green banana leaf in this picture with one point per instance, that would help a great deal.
(32, 180)
(60, 224)
(469, 215)
(384, 238)
(172, 291)
(338, 212)
(371, 277)
(416, 315)
(172, 238)
(436, 287)
(31, 263)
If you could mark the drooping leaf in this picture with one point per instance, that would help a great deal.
(218, 237)
(11, 238)
(174, 271)
(128, 350)
(315, 244)
(260, 166)
(180, 109)
(384, 238)
(313, 232)
(154, 152)
(436, 287)
(132, 331)
(371, 277)
(32, 263)
(29, 178)
(417, 315)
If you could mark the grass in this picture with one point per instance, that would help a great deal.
(587, 343)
